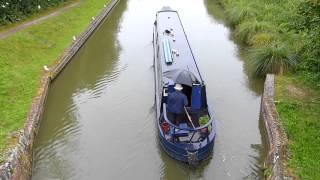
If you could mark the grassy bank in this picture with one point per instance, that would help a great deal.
(282, 37)
(36, 15)
(299, 109)
(15, 11)
(22, 57)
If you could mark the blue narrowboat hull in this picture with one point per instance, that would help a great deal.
(174, 63)
(180, 153)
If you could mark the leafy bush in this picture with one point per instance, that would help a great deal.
(309, 23)
(15, 10)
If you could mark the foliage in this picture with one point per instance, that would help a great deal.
(283, 37)
(240, 10)
(309, 23)
(15, 10)
(272, 58)
(294, 23)
(23, 55)
(249, 28)
(203, 120)
(261, 39)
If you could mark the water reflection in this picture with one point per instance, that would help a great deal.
(216, 11)
(253, 82)
(58, 143)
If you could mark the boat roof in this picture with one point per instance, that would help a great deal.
(169, 20)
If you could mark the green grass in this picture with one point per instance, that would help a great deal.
(36, 15)
(299, 109)
(22, 57)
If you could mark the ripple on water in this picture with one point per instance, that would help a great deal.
(105, 81)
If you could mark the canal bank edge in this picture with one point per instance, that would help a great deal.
(19, 161)
(276, 137)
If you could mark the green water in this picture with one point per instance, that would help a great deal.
(99, 121)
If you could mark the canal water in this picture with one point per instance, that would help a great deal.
(99, 120)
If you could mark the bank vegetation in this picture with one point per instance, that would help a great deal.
(282, 37)
(12, 11)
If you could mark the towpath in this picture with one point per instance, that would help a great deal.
(6, 33)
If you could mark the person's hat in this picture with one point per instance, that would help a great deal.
(178, 87)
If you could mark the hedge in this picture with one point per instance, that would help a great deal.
(16, 10)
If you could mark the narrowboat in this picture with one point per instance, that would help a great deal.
(191, 139)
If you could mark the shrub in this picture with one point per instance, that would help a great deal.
(15, 10)
(273, 58)
(239, 10)
(247, 29)
(308, 23)
(261, 39)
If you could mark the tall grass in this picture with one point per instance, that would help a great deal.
(261, 39)
(249, 28)
(273, 58)
(266, 23)
(283, 36)
(239, 10)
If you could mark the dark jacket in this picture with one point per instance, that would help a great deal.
(176, 102)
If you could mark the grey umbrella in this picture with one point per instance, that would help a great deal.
(181, 76)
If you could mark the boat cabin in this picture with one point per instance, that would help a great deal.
(191, 138)
(175, 63)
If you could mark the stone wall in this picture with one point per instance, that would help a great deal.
(19, 161)
(276, 137)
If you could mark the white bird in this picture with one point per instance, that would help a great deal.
(45, 67)
(93, 18)
(104, 5)
(74, 38)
